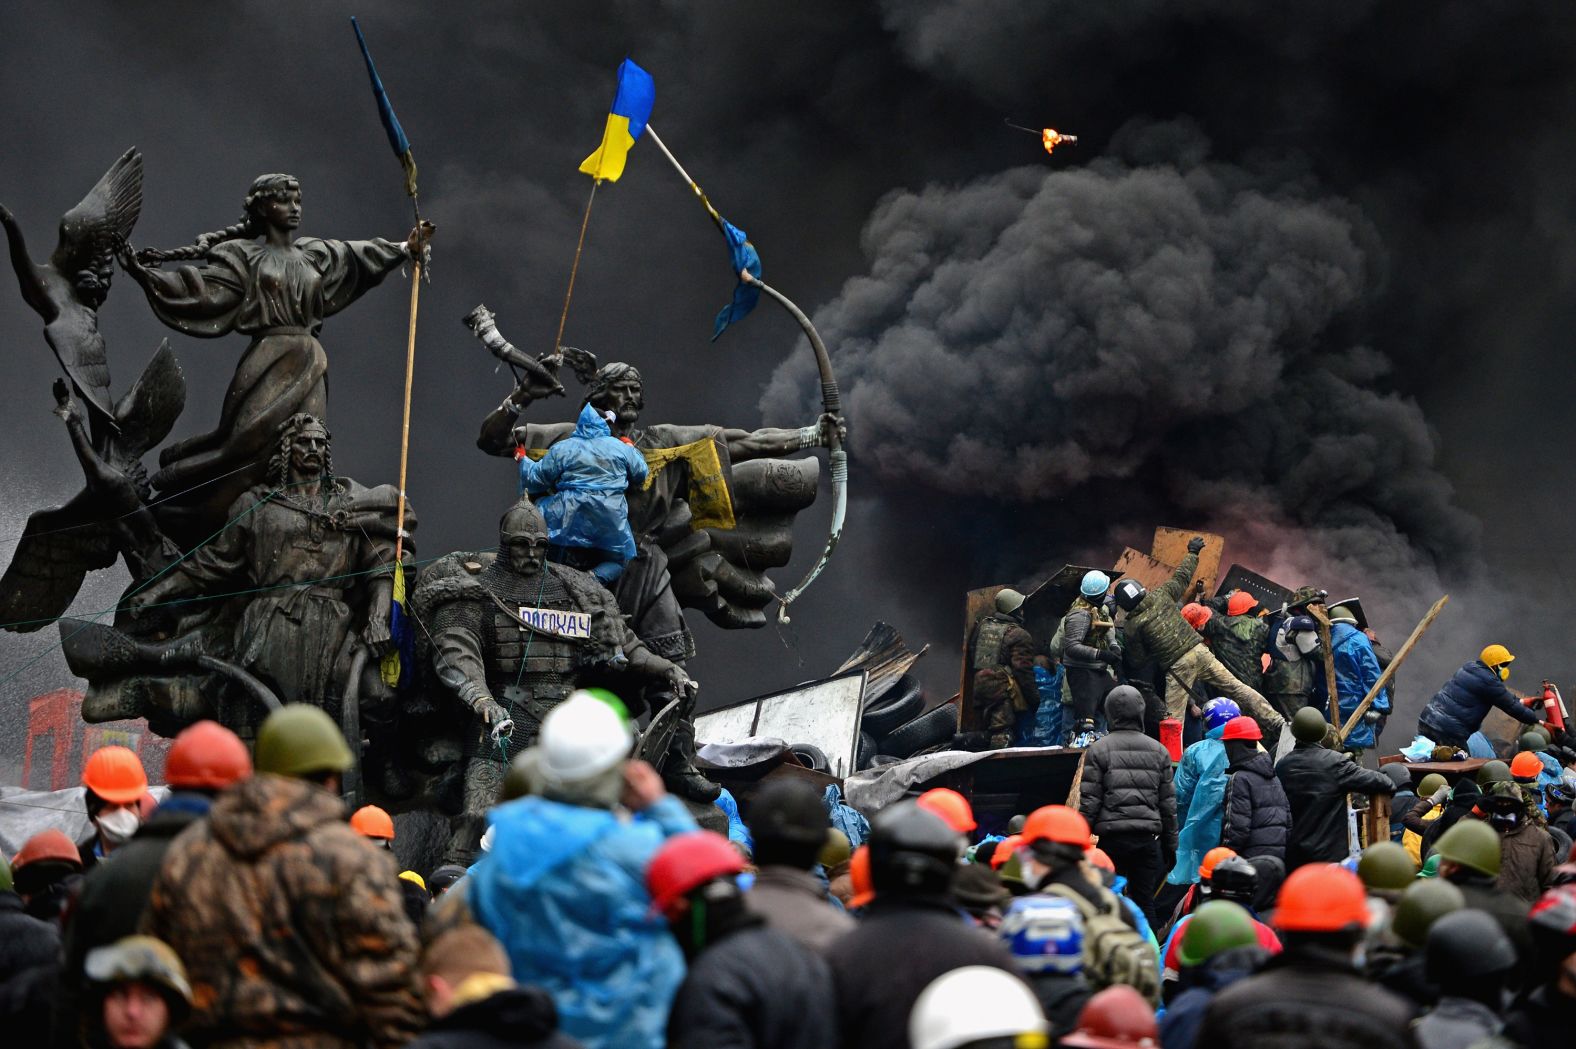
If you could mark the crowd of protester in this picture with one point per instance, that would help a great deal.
(1218, 901)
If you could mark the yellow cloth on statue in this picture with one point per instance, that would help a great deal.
(711, 504)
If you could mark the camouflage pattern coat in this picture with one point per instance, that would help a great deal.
(290, 924)
(1157, 619)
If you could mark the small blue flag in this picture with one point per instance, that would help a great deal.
(397, 140)
(743, 257)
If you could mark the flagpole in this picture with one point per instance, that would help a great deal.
(404, 439)
(652, 133)
(574, 268)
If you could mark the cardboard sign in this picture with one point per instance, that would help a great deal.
(575, 625)
(1170, 547)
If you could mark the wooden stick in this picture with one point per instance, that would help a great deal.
(585, 220)
(1389, 671)
(1318, 613)
(404, 435)
(685, 175)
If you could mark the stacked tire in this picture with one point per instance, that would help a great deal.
(896, 725)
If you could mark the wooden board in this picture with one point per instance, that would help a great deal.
(1135, 564)
(1170, 547)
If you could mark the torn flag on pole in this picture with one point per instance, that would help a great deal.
(397, 140)
(743, 257)
(399, 664)
(632, 103)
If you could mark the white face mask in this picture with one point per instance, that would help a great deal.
(1306, 642)
(118, 825)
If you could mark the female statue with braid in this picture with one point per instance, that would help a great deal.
(255, 278)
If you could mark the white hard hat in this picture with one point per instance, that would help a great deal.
(972, 1004)
(582, 737)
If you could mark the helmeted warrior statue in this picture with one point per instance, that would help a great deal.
(511, 636)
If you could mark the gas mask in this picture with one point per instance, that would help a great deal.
(1503, 670)
(117, 825)
(1306, 641)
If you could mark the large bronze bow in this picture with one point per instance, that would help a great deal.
(831, 404)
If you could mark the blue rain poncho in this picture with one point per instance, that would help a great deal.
(563, 889)
(584, 477)
(1201, 792)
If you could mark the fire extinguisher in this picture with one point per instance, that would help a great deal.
(1554, 706)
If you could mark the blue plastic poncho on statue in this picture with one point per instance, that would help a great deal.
(563, 889)
(584, 478)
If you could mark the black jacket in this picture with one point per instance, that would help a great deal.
(1306, 998)
(1316, 782)
(900, 946)
(511, 1019)
(1545, 1018)
(1257, 820)
(1061, 999)
(29, 970)
(1483, 894)
(1127, 777)
(754, 989)
(1402, 971)
(1197, 987)
(1459, 707)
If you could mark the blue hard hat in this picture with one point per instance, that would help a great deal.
(1218, 711)
(1095, 583)
(1044, 934)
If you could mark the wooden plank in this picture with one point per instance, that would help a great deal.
(1150, 571)
(1328, 649)
(1170, 547)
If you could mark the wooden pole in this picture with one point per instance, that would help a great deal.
(1318, 613)
(404, 435)
(1389, 671)
(585, 220)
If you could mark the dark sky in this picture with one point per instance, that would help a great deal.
(1305, 276)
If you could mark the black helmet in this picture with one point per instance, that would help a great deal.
(789, 810)
(1465, 947)
(912, 851)
(1234, 879)
(1399, 775)
(1128, 593)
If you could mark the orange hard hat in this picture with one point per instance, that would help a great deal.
(1101, 859)
(1239, 603)
(687, 862)
(1321, 897)
(1004, 850)
(1526, 765)
(1212, 858)
(47, 846)
(116, 775)
(369, 821)
(859, 876)
(1196, 615)
(206, 756)
(1056, 823)
(951, 806)
(1242, 727)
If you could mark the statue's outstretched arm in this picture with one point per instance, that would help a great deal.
(771, 442)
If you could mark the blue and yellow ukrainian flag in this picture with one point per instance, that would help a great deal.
(637, 92)
(399, 665)
(397, 140)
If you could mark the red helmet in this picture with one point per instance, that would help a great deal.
(1240, 603)
(1526, 766)
(206, 756)
(687, 862)
(1196, 615)
(369, 821)
(1056, 823)
(951, 806)
(1555, 913)
(1004, 850)
(47, 846)
(1321, 897)
(1242, 727)
(115, 774)
(1116, 1018)
(1101, 859)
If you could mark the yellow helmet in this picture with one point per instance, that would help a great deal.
(1496, 655)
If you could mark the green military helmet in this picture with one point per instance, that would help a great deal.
(1015, 825)
(1308, 725)
(1422, 904)
(300, 740)
(1218, 925)
(1542, 730)
(5, 875)
(1342, 614)
(1471, 843)
(1534, 742)
(1430, 785)
(1495, 771)
(1386, 866)
(837, 850)
(1011, 872)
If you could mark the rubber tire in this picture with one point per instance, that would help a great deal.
(937, 725)
(883, 760)
(865, 751)
(900, 703)
(811, 757)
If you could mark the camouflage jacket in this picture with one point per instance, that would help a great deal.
(291, 925)
(1158, 618)
(1239, 642)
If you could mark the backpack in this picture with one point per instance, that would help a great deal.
(1114, 952)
